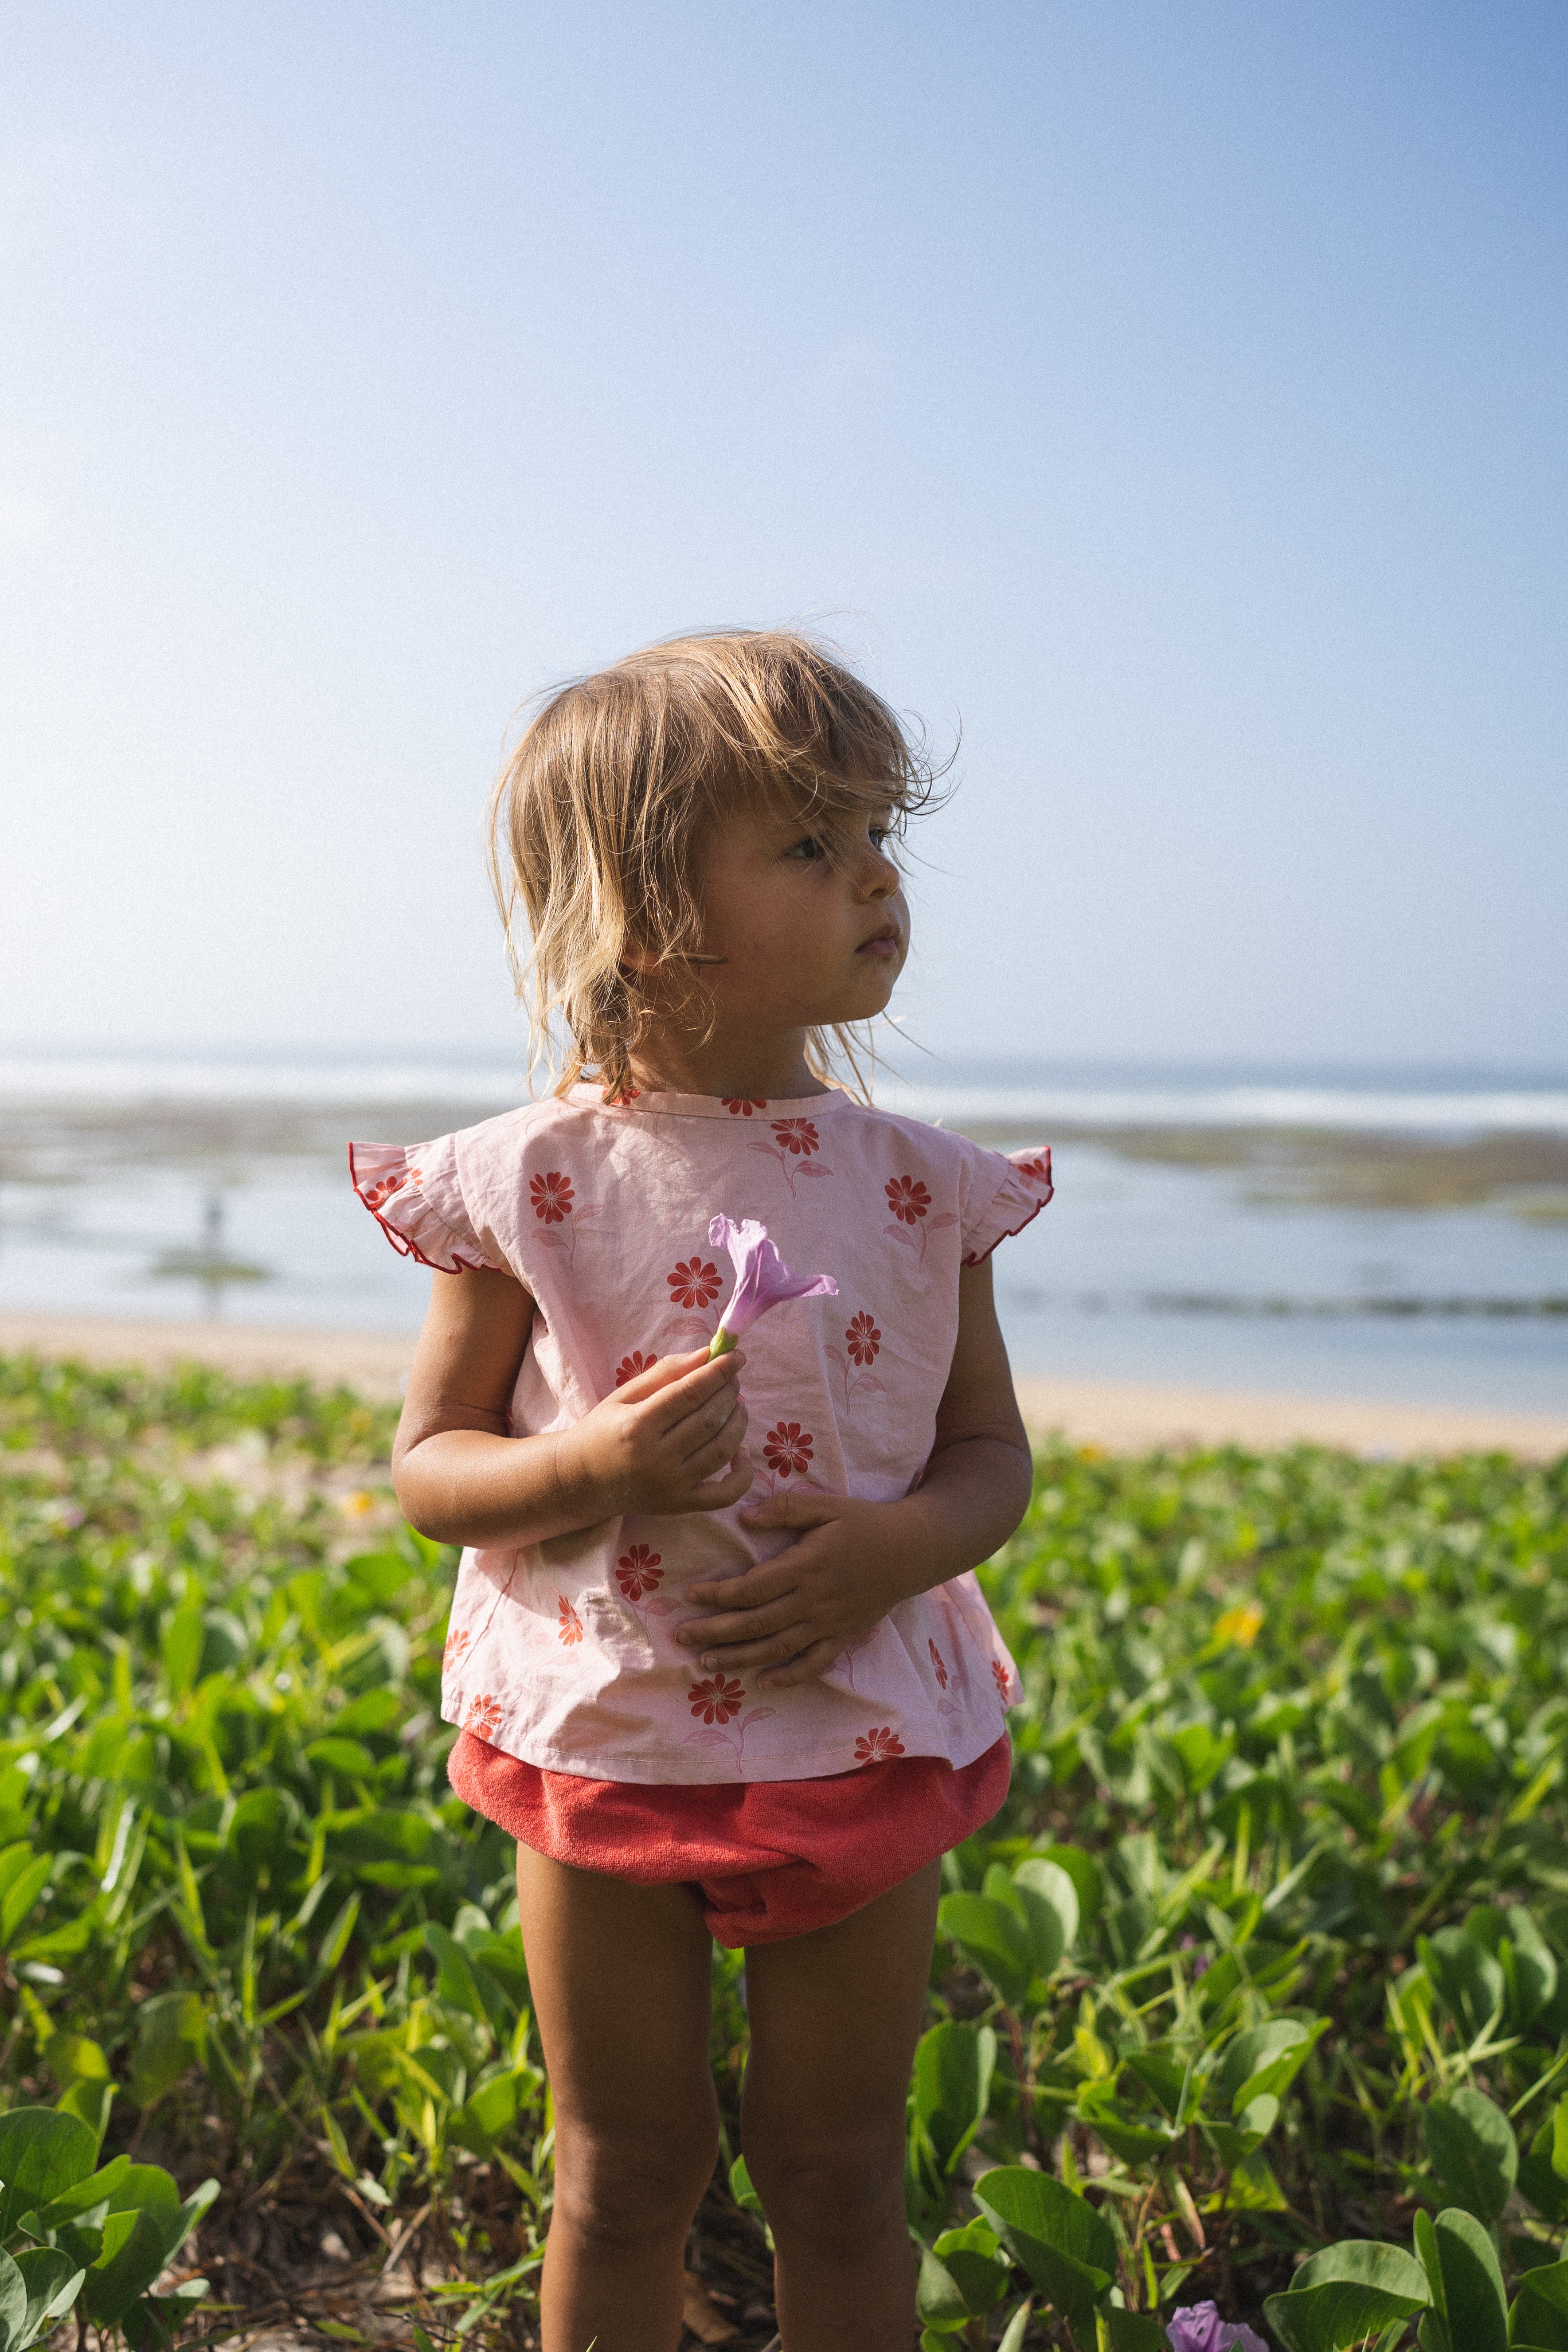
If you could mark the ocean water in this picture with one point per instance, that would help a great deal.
(976, 1091)
(199, 1188)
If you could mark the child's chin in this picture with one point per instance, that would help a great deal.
(872, 997)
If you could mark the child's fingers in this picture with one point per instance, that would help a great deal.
(689, 1447)
(662, 1373)
(803, 1669)
(688, 1391)
(717, 1493)
(730, 1625)
(722, 1423)
(770, 1581)
(739, 1657)
(794, 1511)
(713, 1461)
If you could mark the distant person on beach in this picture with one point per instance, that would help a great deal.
(714, 1689)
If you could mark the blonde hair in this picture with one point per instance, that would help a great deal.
(595, 821)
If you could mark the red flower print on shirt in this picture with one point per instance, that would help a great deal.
(908, 1197)
(1038, 1171)
(877, 1745)
(694, 1284)
(570, 1625)
(379, 1193)
(1000, 1676)
(557, 1203)
(739, 1105)
(627, 1094)
(483, 1715)
(786, 1449)
(863, 1339)
(631, 1366)
(936, 1660)
(639, 1570)
(716, 1700)
(797, 1135)
(911, 1202)
(552, 1196)
(794, 1148)
(456, 1645)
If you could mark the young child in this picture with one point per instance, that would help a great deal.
(715, 1687)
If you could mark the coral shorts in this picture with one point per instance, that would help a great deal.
(768, 1858)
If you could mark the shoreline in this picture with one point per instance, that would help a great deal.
(1306, 1149)
(1122, 1416)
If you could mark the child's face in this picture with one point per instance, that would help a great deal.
(801, 926)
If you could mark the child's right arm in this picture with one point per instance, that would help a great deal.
(669, 1440)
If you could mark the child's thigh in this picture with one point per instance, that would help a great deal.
(620, 1978)
(835, 2017)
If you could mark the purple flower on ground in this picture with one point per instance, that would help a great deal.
(762, 1279)
(1200, 2328)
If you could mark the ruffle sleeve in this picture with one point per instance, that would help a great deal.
(422, 1215)
(1003, 1192)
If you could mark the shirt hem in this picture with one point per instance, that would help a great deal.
(660, 1774)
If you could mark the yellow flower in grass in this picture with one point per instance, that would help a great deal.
(356, 1504)
(1241, 1625)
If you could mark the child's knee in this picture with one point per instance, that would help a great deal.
(620, 2191)
(832, 2192)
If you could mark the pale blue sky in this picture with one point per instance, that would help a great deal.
(1175, 393)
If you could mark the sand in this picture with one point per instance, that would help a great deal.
(375, 1363)
(1123, 1416)
(1130, 1416)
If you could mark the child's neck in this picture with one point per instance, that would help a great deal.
(772, 1069)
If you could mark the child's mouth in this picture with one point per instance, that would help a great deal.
(884, 946)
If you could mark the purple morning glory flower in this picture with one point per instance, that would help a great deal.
(1200, 2328)
(762, 1279)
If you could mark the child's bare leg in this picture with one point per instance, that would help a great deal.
(620, 1977)
(835, 2018)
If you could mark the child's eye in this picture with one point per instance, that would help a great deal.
(806, 850)
(880, 835)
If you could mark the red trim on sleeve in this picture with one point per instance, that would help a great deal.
(1007, 1233)
(407, 1248)
(978, 1258)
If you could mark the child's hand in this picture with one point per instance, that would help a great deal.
(794, 1614)
(658, 1443)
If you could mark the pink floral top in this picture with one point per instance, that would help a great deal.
(562, 1653)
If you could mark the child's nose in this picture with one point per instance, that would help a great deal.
(876, 876)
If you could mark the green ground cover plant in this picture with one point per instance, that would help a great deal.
(1256, 1995)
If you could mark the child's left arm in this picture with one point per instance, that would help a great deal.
(855, 1560)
